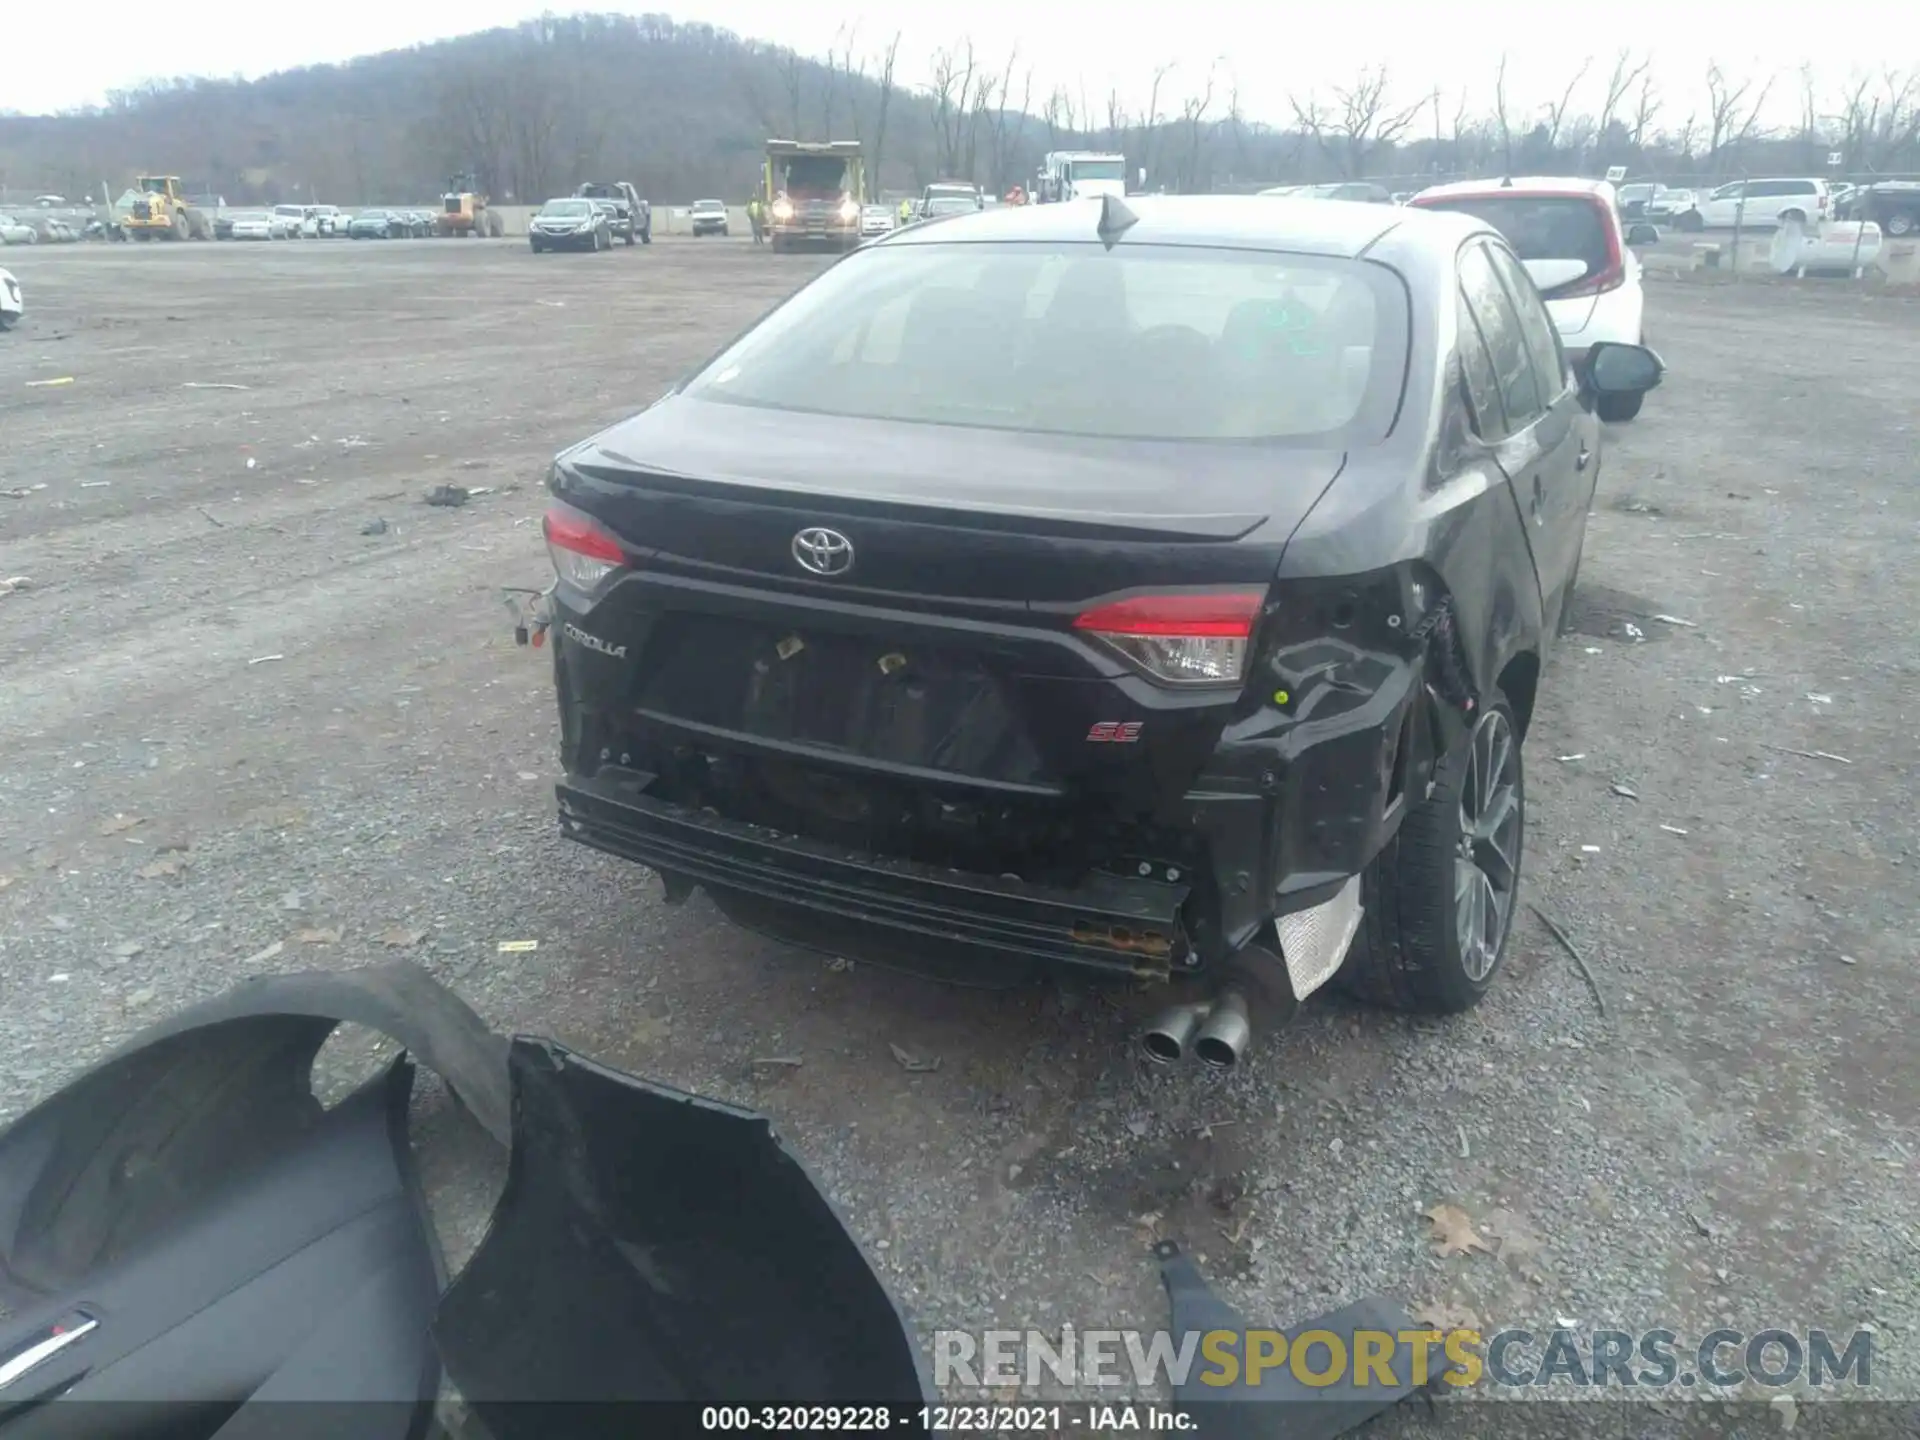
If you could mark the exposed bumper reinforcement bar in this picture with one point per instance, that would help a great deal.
(889, 911)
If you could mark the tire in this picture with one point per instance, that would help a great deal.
(646, 236)
(1692, 223)
(7, 319)
(630, 241)
(1793, 217)
(1618, 409)
(1408, 953)
(1900, 223)
(536, 246)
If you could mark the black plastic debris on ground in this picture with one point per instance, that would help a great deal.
(1278, 1406)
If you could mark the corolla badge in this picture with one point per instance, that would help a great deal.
(593, 642)
(823, 552)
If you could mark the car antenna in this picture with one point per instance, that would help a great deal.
(1115, 220)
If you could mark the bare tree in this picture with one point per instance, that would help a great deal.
(979, 116)
(1143, 152)
(1057, 116)
(1557, 111)
(1008, 133)
(1901, 126)
(839, 54)
(1645, 109)
(792, 78)
(1358, 124)
(1731, 119)
(884, 79)
(1193, 115)
(1237, 130)
(1500, 115)
(951, 91)
(1625, 74)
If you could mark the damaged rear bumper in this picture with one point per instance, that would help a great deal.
(876, 908)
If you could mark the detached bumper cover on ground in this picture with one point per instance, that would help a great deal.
(194, 1237)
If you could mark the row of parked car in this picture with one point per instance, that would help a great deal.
(295, 222)
(1762, 203)
(1768, 202)
(32, 228)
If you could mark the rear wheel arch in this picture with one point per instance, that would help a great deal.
(1520, 682)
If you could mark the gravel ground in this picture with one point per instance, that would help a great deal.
(242, 735)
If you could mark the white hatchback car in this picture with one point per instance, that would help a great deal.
(1568, 235)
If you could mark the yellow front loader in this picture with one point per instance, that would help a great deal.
(161, 209)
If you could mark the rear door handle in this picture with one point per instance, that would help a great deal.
(1585, 456)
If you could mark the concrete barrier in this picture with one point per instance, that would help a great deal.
(1899, 261)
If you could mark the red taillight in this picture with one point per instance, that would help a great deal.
(584, 551)
(1187, 638)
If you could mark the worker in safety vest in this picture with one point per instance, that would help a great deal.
(906, 212)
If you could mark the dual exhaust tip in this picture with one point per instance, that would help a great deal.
(1216, 1032)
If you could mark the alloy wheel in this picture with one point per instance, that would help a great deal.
(1487, 864)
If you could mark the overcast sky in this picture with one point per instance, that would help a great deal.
(63, 55)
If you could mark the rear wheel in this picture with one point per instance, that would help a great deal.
(1618, 409)
(1900, 222)
(1439, 899)
(1692, 222)
(1793, 217)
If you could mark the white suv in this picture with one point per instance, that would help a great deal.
(1759, 205)
(1567, 234)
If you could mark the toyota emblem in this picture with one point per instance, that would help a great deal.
(823, 552)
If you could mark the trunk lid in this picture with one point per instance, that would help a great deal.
(940, 677)
(938, 514)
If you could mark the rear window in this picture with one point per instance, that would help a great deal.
(1146, 342)
(1543, 227)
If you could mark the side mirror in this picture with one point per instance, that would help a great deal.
(1617, 369)
(1643, 234)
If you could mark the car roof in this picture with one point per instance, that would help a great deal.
(1313, 227)
(1525, 184)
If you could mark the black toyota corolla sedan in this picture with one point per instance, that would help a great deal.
(1157, 589)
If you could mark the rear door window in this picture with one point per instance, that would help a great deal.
(1543, 339)
(1506, 341)
(1483, 386)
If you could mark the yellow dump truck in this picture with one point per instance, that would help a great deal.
(814, 190)
(161, 209)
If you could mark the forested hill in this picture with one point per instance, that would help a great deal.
(681, 110)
